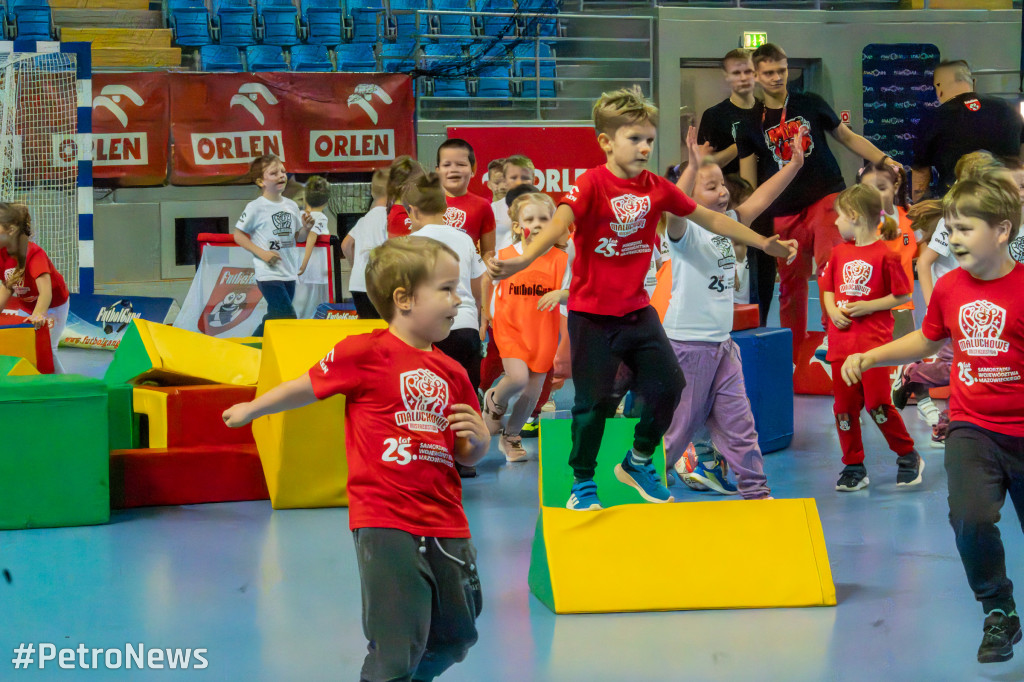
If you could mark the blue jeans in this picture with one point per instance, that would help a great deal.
(278, 295)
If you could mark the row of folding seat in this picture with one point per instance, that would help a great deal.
(265, 58)
(28, 20)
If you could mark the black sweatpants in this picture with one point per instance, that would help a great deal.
(364, 306)
(421, 598)
(463, 346)
(763, 269)
(599, 343)
(982, 467)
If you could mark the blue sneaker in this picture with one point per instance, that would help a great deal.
(712, 475)
(583, 497)
(644, 479)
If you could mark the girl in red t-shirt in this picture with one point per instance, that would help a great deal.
(861, 283)
(28, 280)
(525, 324)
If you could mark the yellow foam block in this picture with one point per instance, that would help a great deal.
(303, 451)
(153, 404)
(16, 367)
(761, 554)
(19, 342)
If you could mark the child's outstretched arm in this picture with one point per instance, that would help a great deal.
(307, 225)
(472, 439)
(764, 195)
(558, 232)
(310, 245)
(924, 272)
(723, 225)
(486, 289)
(695, 156)
(862, 308)
(909, 348)
(290, 395)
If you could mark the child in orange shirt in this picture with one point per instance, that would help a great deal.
(525, 324)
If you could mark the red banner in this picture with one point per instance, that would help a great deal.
(130, 127)
(316, 123)
(559, 154)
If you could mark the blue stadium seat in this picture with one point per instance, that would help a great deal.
(265, 58)
(280, 22)
(363, 17)
(236, 20)
(356, 57)
(497, 26)
(220, 58)
(189, 22)
(445, 66)
(13, 5)
(453, 24)
(525, 68)
(542, 26)
(398, 57)
(323, 21)
(33, 23)
(311, 58)
(493, 81)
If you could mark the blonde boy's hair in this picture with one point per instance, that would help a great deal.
(401, 263)
(623, 107)
(524, 200)
(379, 184)
(990, 196)
(970, 165)
(519, 161)
(425, 193)
(318, 192)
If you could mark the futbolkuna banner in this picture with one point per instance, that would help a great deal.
(99, 322)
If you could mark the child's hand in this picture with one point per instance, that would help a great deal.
(485, 322)
(271, 258)
(467, 423)
(502, 269)
(307, 221)
(796, 146)
(302, 269)
(237, 415)
(550, 300)
(854, 368)
(39, 319)
(839, 318)
(785, 249)
(859, 308)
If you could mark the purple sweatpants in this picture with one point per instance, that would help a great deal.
(716, 395)
(932, 374)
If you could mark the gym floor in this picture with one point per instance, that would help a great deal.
(275, 595)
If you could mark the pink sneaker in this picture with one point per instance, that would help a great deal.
(493, 413)
(512, 447)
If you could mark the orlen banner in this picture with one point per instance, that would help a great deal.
(559, 154)
(130, 127)
(324, 122)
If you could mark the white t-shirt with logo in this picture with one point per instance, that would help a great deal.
(272, 225)
(742, 292)
(946, 262)
(368, 233)
(703, 275)
(502, 226)
(658, 256)
(320, 223)
(471, 266)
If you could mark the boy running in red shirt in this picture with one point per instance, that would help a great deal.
(410, 414)
(456, 165)
(616, 208)
(978, 307)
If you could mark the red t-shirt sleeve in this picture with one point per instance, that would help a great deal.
(895, 275)
(487, 223)
(934, 325)
(675, 200)
(826, 282)
(580, 197)
(342, 370)
(36, 265)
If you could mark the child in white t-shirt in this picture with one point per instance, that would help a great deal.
(517, 170)
(698, 322)
(317, 196)
(268, 228)
(369, 232)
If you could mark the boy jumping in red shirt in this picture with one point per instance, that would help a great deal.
(410, 414)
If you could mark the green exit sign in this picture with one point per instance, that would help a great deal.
(754, 39)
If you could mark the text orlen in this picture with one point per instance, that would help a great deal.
(214, 149)
(352, 145)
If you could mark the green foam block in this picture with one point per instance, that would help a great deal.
(556, 475)
(122, 422)
(130, 359)
(57, 473)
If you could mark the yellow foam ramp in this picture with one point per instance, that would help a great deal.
(633, 557)
(18, 342)
(157, 352)
(303, 451)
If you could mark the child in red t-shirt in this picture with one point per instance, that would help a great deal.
(404, 170)
(456, 164)
(978, 307)
(861, 283)
(410, 414)
(525, 325)
(616, 208)
(28, 279)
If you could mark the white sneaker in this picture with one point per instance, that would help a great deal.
(549, 406)
(928, 411)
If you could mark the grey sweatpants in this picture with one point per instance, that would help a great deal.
(421, 598)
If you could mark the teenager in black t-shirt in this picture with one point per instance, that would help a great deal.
(720, 124)
(965, 122)
(804, 211)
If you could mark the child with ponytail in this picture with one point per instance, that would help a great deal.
(28, 279)
(862, 282)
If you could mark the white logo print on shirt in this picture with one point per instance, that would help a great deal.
(982, 322)
(856, 274)
(630, 210)
(425, 396)
(455, 217)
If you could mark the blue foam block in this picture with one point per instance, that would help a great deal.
(768, 373)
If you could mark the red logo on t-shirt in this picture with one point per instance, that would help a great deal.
(973, 105)
(779, 138)
(856, 274)
(425, 396)
(630, 211)
(19, 290)
(455, 217)
(982, 322)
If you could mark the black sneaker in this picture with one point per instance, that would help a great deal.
(464, 471)
(531, 429)
(900, 391)
(911, 470)
(853, 477)
(1001, 633)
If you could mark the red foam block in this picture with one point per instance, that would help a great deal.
(745, 316)
(172, 476)
(194, 414)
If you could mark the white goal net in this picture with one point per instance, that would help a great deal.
(39, 150)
